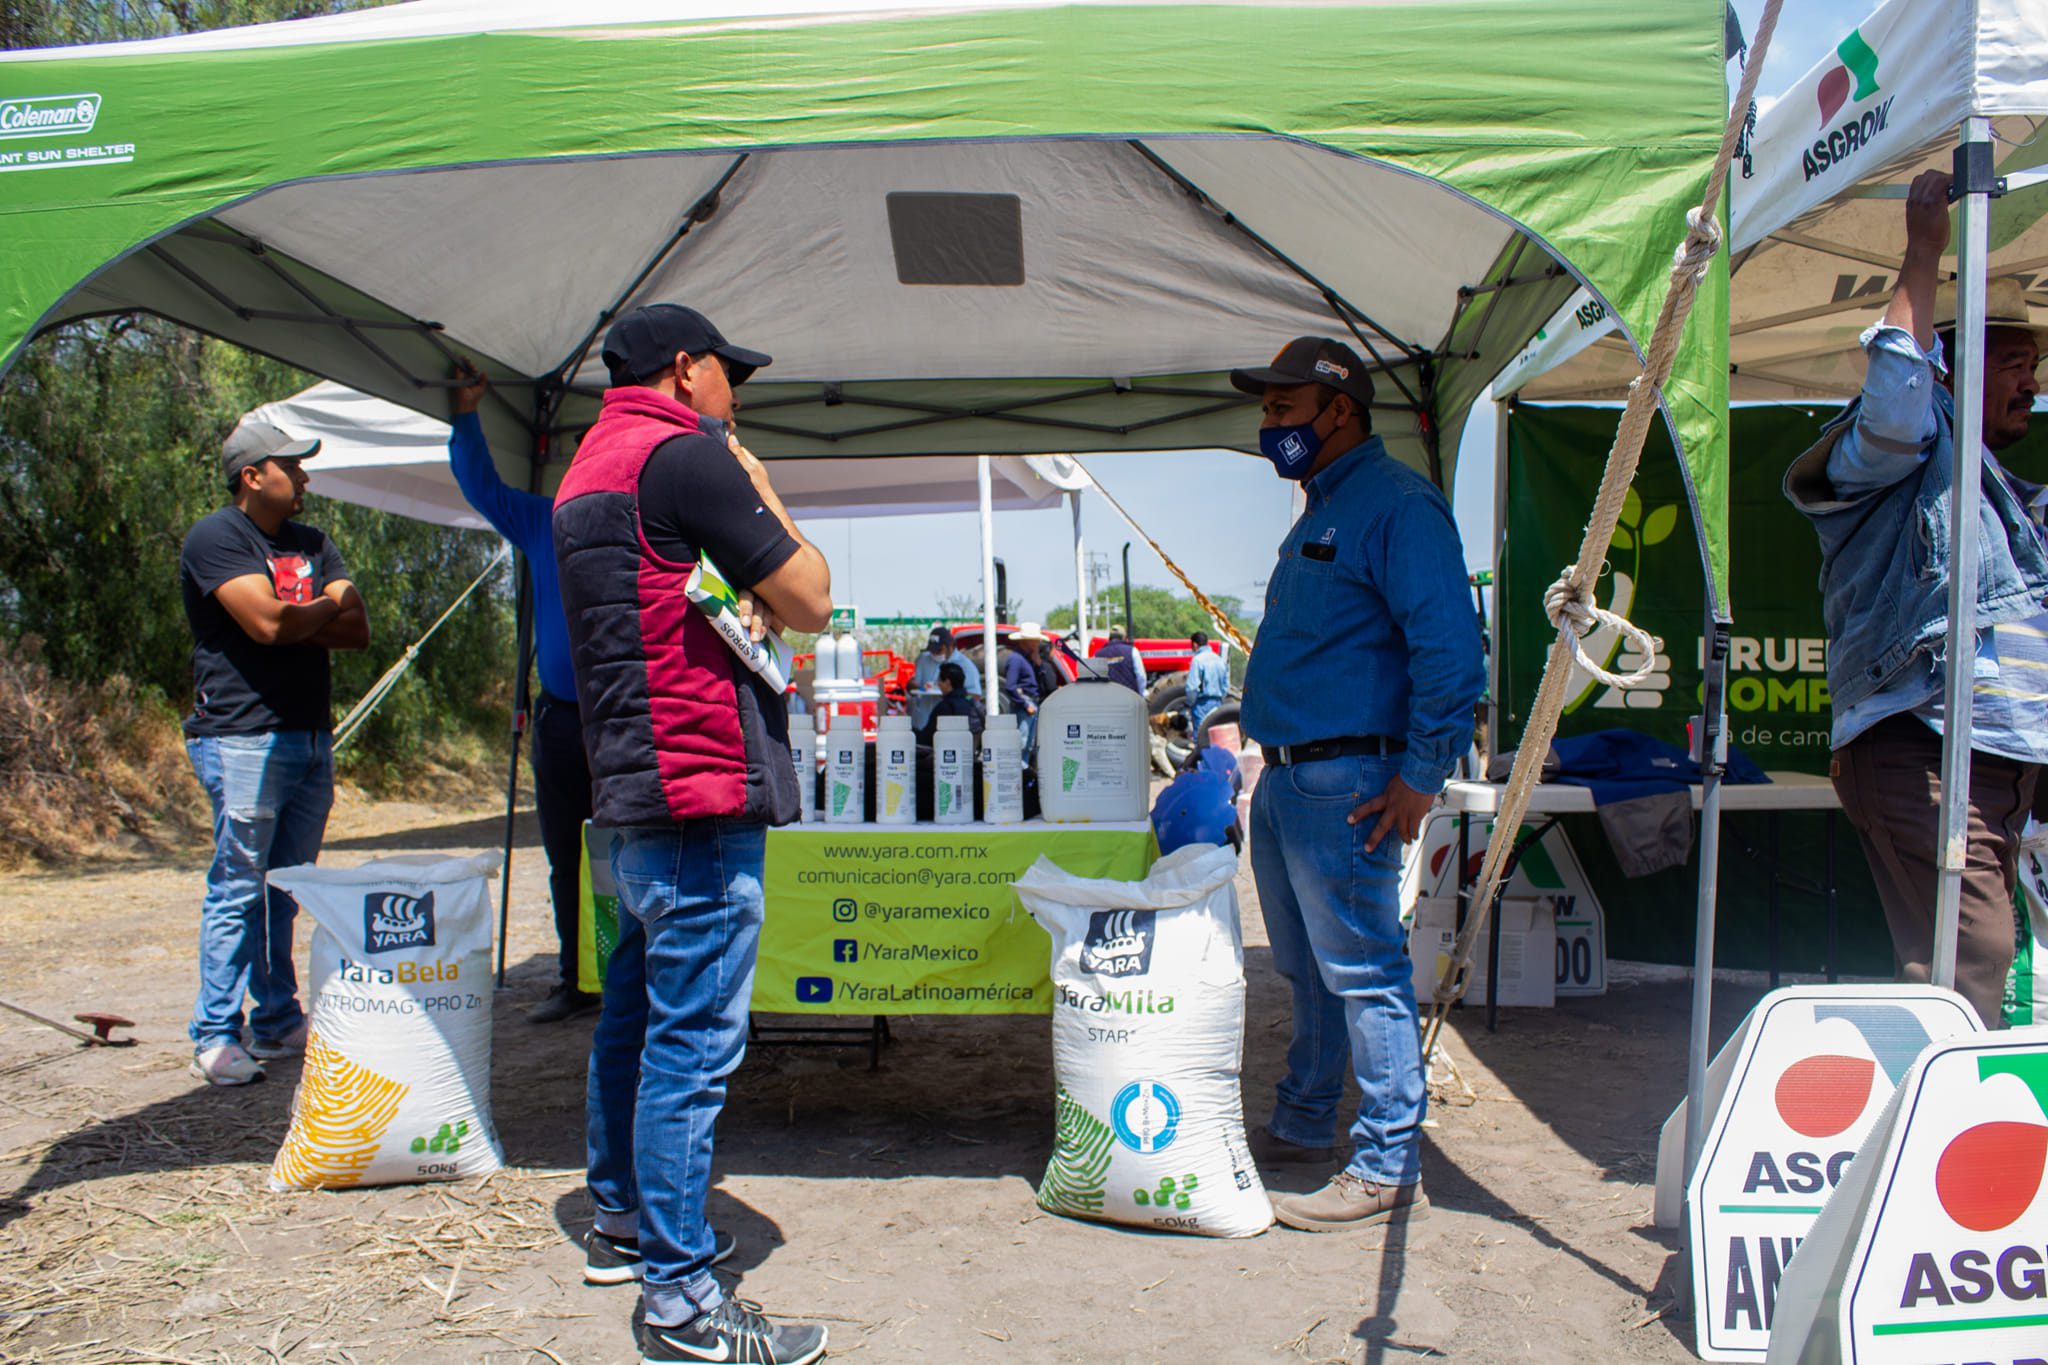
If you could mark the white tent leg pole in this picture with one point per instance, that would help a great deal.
(1080, 580)
(991, 661)
(1714, 718)
(1964, 501)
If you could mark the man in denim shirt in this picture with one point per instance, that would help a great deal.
(1877, 490)
(1360, 690)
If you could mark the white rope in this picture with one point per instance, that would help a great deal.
(1572, 594)
(369, 701)
(1563, 602)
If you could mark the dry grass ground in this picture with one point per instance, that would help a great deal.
(896, 1206)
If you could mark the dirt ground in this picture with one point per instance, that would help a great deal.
(894, 1206)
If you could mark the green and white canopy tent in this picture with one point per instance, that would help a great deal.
(974, 228)
(977, 228)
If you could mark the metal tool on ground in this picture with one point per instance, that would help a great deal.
(103, 1026)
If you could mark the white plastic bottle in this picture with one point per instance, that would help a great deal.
(803, 757)
(845, 772)
(849, 659)
(952, 771)
(1093, 752)
(895, 771)
(824, 660)
(1002, 772)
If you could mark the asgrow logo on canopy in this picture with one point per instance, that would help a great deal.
(48, 115)
(1852, 83)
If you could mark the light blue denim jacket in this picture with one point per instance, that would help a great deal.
(1369, 626)
(1885, 545)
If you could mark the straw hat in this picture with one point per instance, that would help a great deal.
(1027, 630)
(2005, 305)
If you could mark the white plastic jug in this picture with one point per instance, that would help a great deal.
(952, 771)
(845, 772)
(1093, 752)
(895, 771)
(824, 660)
(849, 659)
(1002, 772)
(803, 757)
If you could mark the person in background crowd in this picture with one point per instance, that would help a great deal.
(939, 650)
(267, 599)
(1208, 682)
(1119, 660)
(1873, 486)
(689, 760)
(561, 775)
(953, 701)
(1020, 679)
(1361, 695)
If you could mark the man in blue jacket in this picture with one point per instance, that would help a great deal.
(1876, 488)
(561, 775)
(1360, 693)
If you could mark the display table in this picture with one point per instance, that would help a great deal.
(1786, 791)
(920, 919)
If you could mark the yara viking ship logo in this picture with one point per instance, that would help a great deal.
(1119, 943)
(392, 919)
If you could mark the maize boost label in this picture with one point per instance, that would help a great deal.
(870, 920)
(1812, 1072)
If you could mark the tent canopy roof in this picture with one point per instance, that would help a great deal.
(1818, 222)
(982, 227)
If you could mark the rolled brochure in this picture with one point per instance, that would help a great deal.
(713, 596)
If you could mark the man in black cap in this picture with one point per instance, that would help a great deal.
(1360, 694)
(266, 598)
(938, 650)
(689, 763)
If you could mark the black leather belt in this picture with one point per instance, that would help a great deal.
(1381, 745)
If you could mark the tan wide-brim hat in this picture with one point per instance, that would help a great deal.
(2005, 305)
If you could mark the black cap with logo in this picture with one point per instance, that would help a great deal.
(645, 342)
(1311, 360)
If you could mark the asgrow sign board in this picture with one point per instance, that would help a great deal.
(1937, 1248)
(1813, 1069)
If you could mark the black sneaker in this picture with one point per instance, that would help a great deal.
(564, 1002)
(616, 1260)
(734, 1333)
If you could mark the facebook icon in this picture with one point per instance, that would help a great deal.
(814, 990)
(845, 950)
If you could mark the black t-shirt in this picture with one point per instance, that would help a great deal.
(695, 499)
(239, 686)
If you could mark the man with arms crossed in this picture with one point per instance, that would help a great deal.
(1360, 694)
(1876, 488)
(266, 598)
(689, 761)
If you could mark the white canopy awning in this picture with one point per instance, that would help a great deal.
(377, 454)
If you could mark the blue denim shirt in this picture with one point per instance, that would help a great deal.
(1369, 627)
(527, 520)
(1208, 678)
(1876, 488)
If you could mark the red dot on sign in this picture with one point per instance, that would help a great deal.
(1834, 90)
(1990, 1173)
(1820, 1096)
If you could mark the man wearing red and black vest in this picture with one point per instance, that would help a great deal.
(689, 766)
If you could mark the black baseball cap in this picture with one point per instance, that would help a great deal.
(646, 340)
(940, 638)
(1310, 360)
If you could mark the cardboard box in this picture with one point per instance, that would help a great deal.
(1528, 951)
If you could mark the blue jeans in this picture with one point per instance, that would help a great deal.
(1198, 711)
(695, 890)
(614, 1084)
(270, 794)
(1333, 917)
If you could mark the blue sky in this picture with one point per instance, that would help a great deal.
(1219, 514)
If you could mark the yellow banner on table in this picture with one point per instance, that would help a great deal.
(921, 920)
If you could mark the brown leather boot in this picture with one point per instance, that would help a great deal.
(1349, 1202)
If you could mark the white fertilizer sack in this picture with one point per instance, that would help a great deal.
(397, 1079)
(1147, 1034)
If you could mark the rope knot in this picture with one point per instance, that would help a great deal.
(1702, 240)
(1574, 613)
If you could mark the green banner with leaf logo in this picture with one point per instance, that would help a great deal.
(868, 919)
(1778, 707)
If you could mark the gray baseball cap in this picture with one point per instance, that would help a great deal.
(253, 441)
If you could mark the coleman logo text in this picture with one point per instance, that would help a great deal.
(48, 115)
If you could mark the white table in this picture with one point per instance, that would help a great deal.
(1786, 791)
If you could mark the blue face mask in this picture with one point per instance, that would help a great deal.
(1292, 449)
